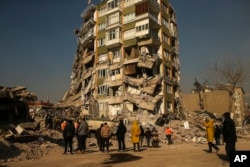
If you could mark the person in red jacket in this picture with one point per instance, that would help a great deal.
(168, 133)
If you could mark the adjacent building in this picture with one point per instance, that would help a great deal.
(127, 59)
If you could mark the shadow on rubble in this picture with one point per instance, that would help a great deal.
(121, 157)
(7, 152)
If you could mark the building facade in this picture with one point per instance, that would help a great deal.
(127, 59)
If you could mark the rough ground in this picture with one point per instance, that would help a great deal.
(176, 155)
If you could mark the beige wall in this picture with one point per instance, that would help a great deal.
(215, 102)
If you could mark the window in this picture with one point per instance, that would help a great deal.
(129, 17)
(103, 106)
(113, 18)
(101, 26)
(101, 42)
(167, 55)
(115, 72)
(169, 88)
(164, 8)
(103, 89)
(165, 22)
(165, 38)
(113, 4)
(102, 73)
(102, 12)
(116, 54)
(142, 27)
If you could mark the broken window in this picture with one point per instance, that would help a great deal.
(167, 55)
(103, 89)
(115, 72)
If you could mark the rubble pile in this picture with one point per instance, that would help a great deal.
(17, 92)
(31, 142)
(13, 103)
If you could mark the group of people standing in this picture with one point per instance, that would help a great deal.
(103, 135)
(78, 129)
(227, 131)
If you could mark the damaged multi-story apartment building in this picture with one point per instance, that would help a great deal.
(127, 59)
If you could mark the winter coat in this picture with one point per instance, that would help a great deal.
(121, 130)
(210, 130)
(83, 129)
(135, 132)
(229, 131)
(148, 133)
(105, 131)
(217, 132)
(69, 131)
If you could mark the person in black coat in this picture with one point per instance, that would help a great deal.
(68, 134)
(120, 133)
(229, 134)
(99, 137)
(217, 134)
(141, 135)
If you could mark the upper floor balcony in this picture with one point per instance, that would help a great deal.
(87, 25)
(88, 11)
(117, 42)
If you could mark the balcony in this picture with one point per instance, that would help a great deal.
(87, 25)
(149, 16)
(112, 10)
(114, 25)
(114, 43)
(88, 12)
(148, 40)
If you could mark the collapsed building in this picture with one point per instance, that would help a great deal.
(217, 101)
(13, 103)
(127, 60)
